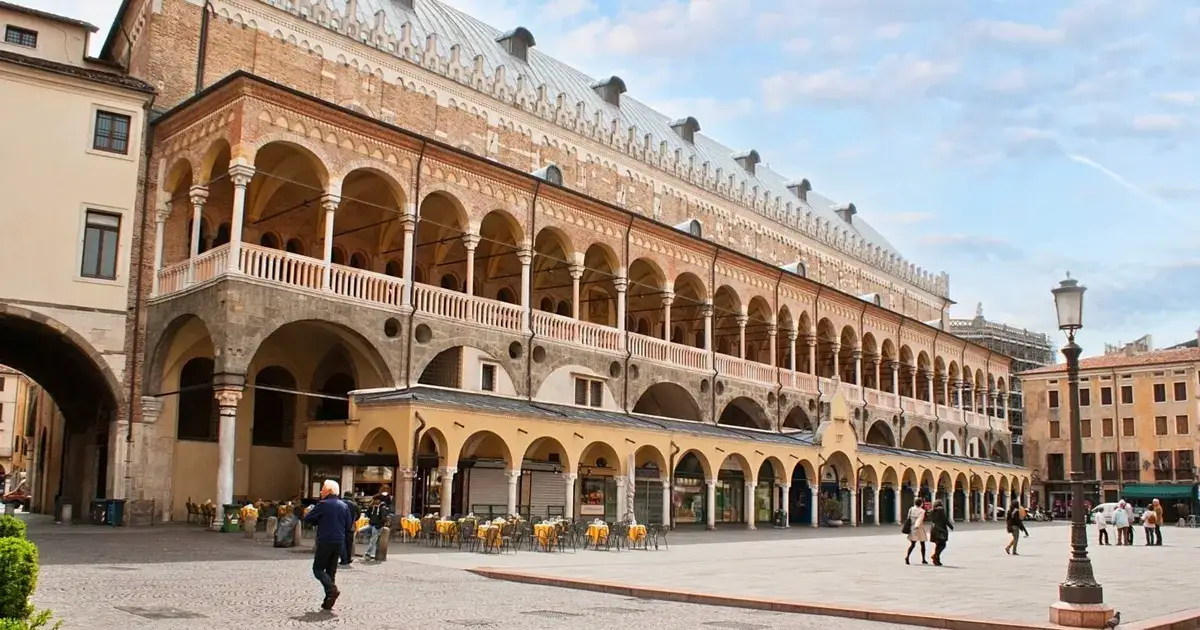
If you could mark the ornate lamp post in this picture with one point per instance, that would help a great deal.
(1081, 598)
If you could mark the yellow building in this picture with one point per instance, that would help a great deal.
(1140, 427)
(15, 397)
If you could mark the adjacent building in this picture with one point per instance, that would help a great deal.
(14, 400)
(1027, 350)
(1140, 426)
(73, 130)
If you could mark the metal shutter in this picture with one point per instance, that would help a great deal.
(547, 489)
(488, 486)
(647, 501)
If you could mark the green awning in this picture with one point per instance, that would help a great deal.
(1157, 491)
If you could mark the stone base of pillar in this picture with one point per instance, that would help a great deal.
(1080, 615)
(711, 528)
(751, 526)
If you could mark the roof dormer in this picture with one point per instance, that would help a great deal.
(517, 42)
(846, 212)
(748, 160)
(550, 173)
(800, 189)
(610, 90)
(691, 226)
(686, 128)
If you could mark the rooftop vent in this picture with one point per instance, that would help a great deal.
(691, 226)
(846, 212)
(686, 128)
(800, 189)
(748, 160)
(610, 90)
(550, 173)
(797, 268)
(518, 42)
(873, 298)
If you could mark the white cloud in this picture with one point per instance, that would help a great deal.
(1179, 98)
(797, 45)
(708, 110)
(1014, 81)
(893, 30)
(1017, 33)
(894, 78)
(1157, 123)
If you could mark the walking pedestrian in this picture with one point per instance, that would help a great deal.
(1015, 527)
(348, 545)
(331, 517)
(1121, 523)
(1150, 522)
(1129, 530)
(1158, 521)
(914, 526)
(378, 514)
(940, 532)
(1101, 524)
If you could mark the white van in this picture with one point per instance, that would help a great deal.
(1108, 509)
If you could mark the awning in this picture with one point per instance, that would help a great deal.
(1157, 491)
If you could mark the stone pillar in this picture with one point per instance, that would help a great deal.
(569, 494)
(146, 460)
(666, 501)
(404, 493)
(811, 342)
(835, 349)
(792, 335)
(668, 298)
(913, 391)
(853, 507)
(514, 478)
(950, 505)
(227, 404)
(858, 372)
(750, 515)
(408, 223)
(347, 480)
(958, 386)
(876, 362)
(896, 507)
(742, 320)
(447, 474)
(785, 504)
(160, 220)
(470, 242)
(525, 255)
(240, 175)
(772, 333)
(576, 272)
(329, 203)
(707, 311)
(710, 508)
(895, 365)
(622, 502)
(1002, 397)
(877, 506)
(813, 509)
(946, 390)
(621, 283)
(197, 195)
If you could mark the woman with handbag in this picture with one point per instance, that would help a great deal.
(914, 527)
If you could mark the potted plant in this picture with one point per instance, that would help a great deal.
(832, 509)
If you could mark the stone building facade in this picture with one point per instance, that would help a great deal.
(338, 208)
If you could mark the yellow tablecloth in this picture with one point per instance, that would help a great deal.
(411, 526)
(484, 530)
(597, 533)
(637, 532)
(546, 534)
(446, 528)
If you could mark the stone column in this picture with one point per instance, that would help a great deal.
(569, 494)
(751, 517)
(835, 350)
(666, 501)
(707, 311)
(197, 195)
(896, 507)
(404, 491)
(929, 386)
(576, 272)
(710, 509)
(668, 298)
(792, 335)
(470, 242)
(895, 365)
(514, 478)
(811, 342)
(772, 333)
(622, 502)
(813, 509)
(160, 220)
(946, 390)
(853, 507)
(408, 223)
(447, 474)
(147, 460)
(876, 362)
(913, 391)
(621, 283)
(950, 505)
(858, 373)
(877, 506)
(329, 203)
(227, 404)
(958, 387)
(525, 255)
(347, 480)
(742, 320)
(785, 504)
(240, 175)
(1002, 397)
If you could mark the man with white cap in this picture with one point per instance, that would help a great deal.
(331, 517)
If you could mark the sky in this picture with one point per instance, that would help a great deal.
(1005, 142)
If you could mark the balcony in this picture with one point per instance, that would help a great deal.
(311, 276)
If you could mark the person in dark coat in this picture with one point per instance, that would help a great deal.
(348, 547)
(1015, 527)
(331, 517)
(940, 532)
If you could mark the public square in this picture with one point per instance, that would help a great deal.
(179, 577)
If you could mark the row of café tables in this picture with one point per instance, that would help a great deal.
(495, 535)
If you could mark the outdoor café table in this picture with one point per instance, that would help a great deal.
(411, 526)
(447, 530)
(545, 534)
(483, 533)
(597, 532)
(637, 533)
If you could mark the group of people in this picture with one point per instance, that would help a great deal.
(335, 518)
(940, 526)
(1122, 521)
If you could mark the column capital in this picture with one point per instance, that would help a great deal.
(894, 364)
(742, 319)
(621, 481)
(835, 346)
(621, 283)
(710, 482)
(525, 255)
(668, 297)
(570, 477)
(162, 214)
(513, 476)
(785, 486)
(576, 270)
(330, 202)
(666, 482)
(793, 334)
(706, 309)
(228, 397)
(856, 354)
(241, 174)
(751, 484)
(813, 490)
(470, 241)
(151, 408)
(772, 330)
(447, 471)
(810, 341)
(408, 222)
(198, 194)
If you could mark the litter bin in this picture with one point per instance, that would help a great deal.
(115, 512)
(98, 512)
(779, 516)
(232, 520)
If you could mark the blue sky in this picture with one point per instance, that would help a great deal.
(1003, 141)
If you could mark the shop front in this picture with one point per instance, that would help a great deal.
(731, 494)
(689, 492)
(647, 495)
(598, 498)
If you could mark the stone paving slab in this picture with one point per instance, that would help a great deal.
(979, 581)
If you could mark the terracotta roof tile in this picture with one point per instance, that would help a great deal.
(1157, 357)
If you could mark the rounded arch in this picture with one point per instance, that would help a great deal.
(647, 454)
(889, 476)
(547, 449)
(880, 434)
(485, 445)
(179, 177)
(775, 467)
(741, 461)
(444, 366)
(216, 153)
(744, 411)
(392, 188)
(600, 454)
(916, 439)
(999, 452)
(433, 442)
(693, 462)
(949, 444)
(798, 418)
(369, 366)
(554, 244)
(378, 442)
(314, 154)
(804, 468)
(668, 400)
(838, 467)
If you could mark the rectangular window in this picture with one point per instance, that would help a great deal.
(1127, 394)
(589, 392)
(1127, 427)
(1160, 392)
(487, 377)
(18, 36)
(1163, 469)
(1130, 464)
(1108, 466)
(1085, 428)
(100, 237)
(1184, 464)
(1055, 466)
(1053, 398)
(1181, 425)
(112, 133)
(1160, 425)
(1085, 397)
(1054, 430)
(1105, 395)
(1089, 466)
(1107, 427)
(1181, 391)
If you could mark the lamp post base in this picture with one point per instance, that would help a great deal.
(1080, 615)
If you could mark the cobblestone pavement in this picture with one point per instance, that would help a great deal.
(867, 569)
(174, 577)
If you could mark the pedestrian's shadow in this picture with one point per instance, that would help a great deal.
(314, 617)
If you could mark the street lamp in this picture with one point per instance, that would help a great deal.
(1081, 598)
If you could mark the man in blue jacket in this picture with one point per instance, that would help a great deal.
(331, 517)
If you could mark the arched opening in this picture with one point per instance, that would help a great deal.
(689, 493)
(338, 386)
(295, 246)
(687, 310)
(668, 400)
(480, 485)
(847, 350)
(916, 440)
(431, 456)
(552, 271)
(880, 434)
(798, 419)
(439, 242)
(727, 321)
(599, 467)
(827, 342)
(732, 476)
(650, 470)
(597, 292)
(541, 491)
(800, 494)
(744, 412)
(644, 301)
(999, 453)
(274, 408)
(497, 265)
(197, 419)
(269, 240)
